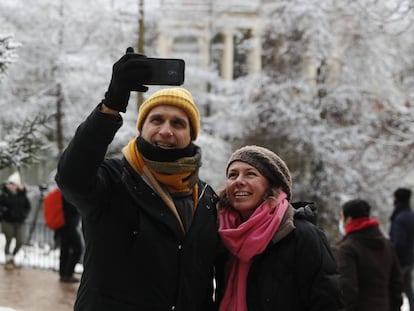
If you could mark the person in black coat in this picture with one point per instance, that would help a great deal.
(402, 235)
(16, 204)
(70, 241)
(278, 260)
(149, 222)
(370, 272)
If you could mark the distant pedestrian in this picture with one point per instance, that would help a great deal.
(370, 274)
(17, 206)
(278, 260)
(402, 235)
(71, 246)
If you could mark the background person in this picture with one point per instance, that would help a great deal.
(370, 273)
(17, 207)
(278, 261)
(402, 236)
(71, 246)
(149, 222)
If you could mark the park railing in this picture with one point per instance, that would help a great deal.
(40, 249)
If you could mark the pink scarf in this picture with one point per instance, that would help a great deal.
(245, 240)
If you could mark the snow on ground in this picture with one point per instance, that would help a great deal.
(404, 307)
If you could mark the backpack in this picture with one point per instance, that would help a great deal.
(53, 210)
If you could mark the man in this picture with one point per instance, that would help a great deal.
(402, 235)
(71, 246)
(149, 223)
(370, 274)
(64, 218)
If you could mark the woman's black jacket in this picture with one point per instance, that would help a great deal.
(296, 273)
(16, 205)
(136, 257)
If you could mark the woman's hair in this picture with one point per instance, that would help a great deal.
(223, 202)
(402, 195)
(356, 208)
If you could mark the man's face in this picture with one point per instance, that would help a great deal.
(167, 127)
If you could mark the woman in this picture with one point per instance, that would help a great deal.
(278, 260)
(17, 204)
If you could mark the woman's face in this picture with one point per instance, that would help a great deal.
(12, 187)
(246, 188)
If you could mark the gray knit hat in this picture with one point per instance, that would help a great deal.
(269, 164)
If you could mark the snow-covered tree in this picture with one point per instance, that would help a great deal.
(20, 143)
(66, 57)
(334, 98)
(7, 52)
(23, 143)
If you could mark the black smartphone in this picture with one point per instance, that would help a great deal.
(165, 71)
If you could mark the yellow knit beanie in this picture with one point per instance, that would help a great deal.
(178, 97)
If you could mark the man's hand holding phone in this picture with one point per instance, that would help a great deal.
(133, 70)
(127, 74)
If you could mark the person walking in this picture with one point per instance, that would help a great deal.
(71, 246)
(370, 272)
(402, 235)
(17, 207)
(149, 222)
(278, 260)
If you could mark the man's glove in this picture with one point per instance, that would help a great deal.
(128, 73)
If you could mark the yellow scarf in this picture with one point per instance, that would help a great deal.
(179, 177)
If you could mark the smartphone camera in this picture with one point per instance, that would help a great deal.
(165, 71)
